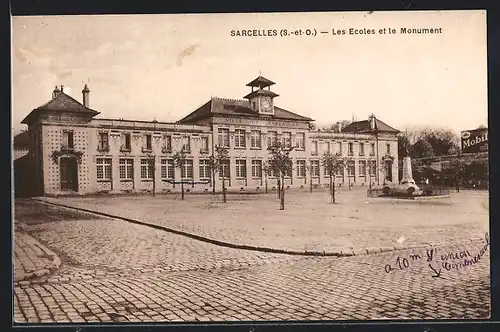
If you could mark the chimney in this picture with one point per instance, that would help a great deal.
(372, 122)
(85, 93)
(339, 127)
(62, 88)
(56, 92)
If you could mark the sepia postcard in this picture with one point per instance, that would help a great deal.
(321, 166)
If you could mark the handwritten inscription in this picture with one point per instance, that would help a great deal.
(447, 260)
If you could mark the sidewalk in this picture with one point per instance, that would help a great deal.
(31, 258)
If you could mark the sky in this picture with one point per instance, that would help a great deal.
(146, 67)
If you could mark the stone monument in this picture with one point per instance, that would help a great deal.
(407, 177)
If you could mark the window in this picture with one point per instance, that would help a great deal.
(187, 169)
(314, 147)
(339, 171)
(146, 169)
(126, 142)
(68, 140)
(272, 139)
(224, 171)
(362, 167)
(126, 169)
(205, 169)
(350, 168)
(300, 140)
(223, 138)
(256, 168)
(254, 105)
(286, 139)
(167, 143)
(327, 146)
(372, 149)
(361, 149)
(301, 168)
(340, 148)
(186, 143)
(103, 168)
(239, 138)
(350, 149)
(148, 142)
(204, 144)
(314, 167)
(241, 169)
(103, 143)
(255, 139)
(388, 149)
(373, 167)
(167, 169)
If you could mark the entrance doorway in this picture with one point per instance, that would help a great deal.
(388, 170)
(69, 174)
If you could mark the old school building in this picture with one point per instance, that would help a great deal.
(73, 150)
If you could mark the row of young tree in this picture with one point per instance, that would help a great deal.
(279, 163)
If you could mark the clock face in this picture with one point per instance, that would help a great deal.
(265, 105)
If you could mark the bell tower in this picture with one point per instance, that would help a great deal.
(261, 98)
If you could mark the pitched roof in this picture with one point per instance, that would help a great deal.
(237, 107)
(61, 103)
(364, 126)
(261, 82)
(261, 92)
(22, 140)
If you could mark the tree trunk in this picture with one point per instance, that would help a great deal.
(182, 189)
(154, 182)
(224, 190)
(279, 188)
(213, 182)
(457, 184)
(266, 183)
(282, 198)
(332, 188)
(310, 183)
(349, 179)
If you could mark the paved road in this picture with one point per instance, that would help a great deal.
(148, 275)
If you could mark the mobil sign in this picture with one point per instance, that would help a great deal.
(475, 140)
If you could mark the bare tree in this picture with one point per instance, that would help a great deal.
(309, 171)
(281, 162)
(152, 169)
(266, 169)
(179, 162)
(220, 158)
(333, 162)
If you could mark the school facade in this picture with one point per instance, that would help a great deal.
(72, 151)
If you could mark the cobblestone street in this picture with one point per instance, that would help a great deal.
(112, 270)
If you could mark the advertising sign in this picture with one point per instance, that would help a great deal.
(475, 140)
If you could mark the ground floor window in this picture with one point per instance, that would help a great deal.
(103, 168)
(373, 167)
(257, 169)
(187, 169)
(351, 168)
(241, 169)
(314, 168)
(362, 167)
(301, 168)
(167, 169)
(224, 169)
(146, 169)
(205, 169)
(126, 168)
